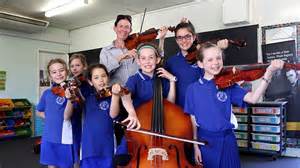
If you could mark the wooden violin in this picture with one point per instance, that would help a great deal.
(228, 76)
(107, 92)
(73, 84)
(193, 50)
(149, 35)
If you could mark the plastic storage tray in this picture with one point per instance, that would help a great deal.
(242, 118)
(266, 119)
(242, 143)
(242, 127)
(241, 135)
(265, 146)
(266, 110)
(265, 137)
(266, 128)
(6, 104)
(239, 110)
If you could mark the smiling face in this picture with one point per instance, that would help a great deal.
(77, 67)
(122, 29)
(147, 60)
(212, 62)
(184, 39)
(99, 78)
(57, 73)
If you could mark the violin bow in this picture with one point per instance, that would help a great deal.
(141, 28)
(143, 131)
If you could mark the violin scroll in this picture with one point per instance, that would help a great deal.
(107, 92)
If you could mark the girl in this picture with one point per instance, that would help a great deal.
(52, 108)
(97, 135)
(140, 84)
(185, 36)
(210, 109)
(78, 66)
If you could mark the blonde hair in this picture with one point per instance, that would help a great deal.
(79, 56)
(54, 61)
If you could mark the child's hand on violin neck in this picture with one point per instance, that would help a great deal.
(70, 94)
(275, 65)
(116, 89)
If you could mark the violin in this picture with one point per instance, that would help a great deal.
(59, 90)
(107, 92)
(227, 77)
(193, 50)
(149, 35)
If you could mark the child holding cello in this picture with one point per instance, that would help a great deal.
(210, 109)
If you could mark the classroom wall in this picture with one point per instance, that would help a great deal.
(206, 15)
(18, 58)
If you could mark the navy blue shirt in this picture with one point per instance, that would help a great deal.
(212, 107)
(97, 133)
(53, 106)
(141, 87)
(185, 74)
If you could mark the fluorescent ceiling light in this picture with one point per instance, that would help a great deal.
(65, 7)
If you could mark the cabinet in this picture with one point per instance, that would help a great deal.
(262, 128)
(15, 118)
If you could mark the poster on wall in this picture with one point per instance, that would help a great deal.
(280, 42)
(2, 80)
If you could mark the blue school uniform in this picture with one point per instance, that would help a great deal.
(185, 74)
(53, 152)
(97, 135)
(212, 110)
(140, 86)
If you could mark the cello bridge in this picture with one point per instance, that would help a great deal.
(157, 152)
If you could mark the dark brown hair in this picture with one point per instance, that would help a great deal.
(123, 17)
(94, 66)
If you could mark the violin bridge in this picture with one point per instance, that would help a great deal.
(157, 152)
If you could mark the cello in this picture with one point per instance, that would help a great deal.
(161, 117)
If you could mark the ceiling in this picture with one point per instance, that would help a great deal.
(96, 11)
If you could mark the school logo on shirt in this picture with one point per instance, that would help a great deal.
(60, 100)
(222, 96)
(195, 65)
(104, 105)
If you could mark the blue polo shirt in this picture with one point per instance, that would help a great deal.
(53, 106)
(185, 74)
(212, 107)
(141, 87)
(97, 133)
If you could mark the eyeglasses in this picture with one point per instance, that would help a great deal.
(186, 37)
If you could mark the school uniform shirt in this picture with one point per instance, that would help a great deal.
(140, 86)
(185, 74)
(97, 134)
(53, 106)
(212, 107)
(119, 71)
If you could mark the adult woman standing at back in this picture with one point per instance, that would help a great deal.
(120, 61)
